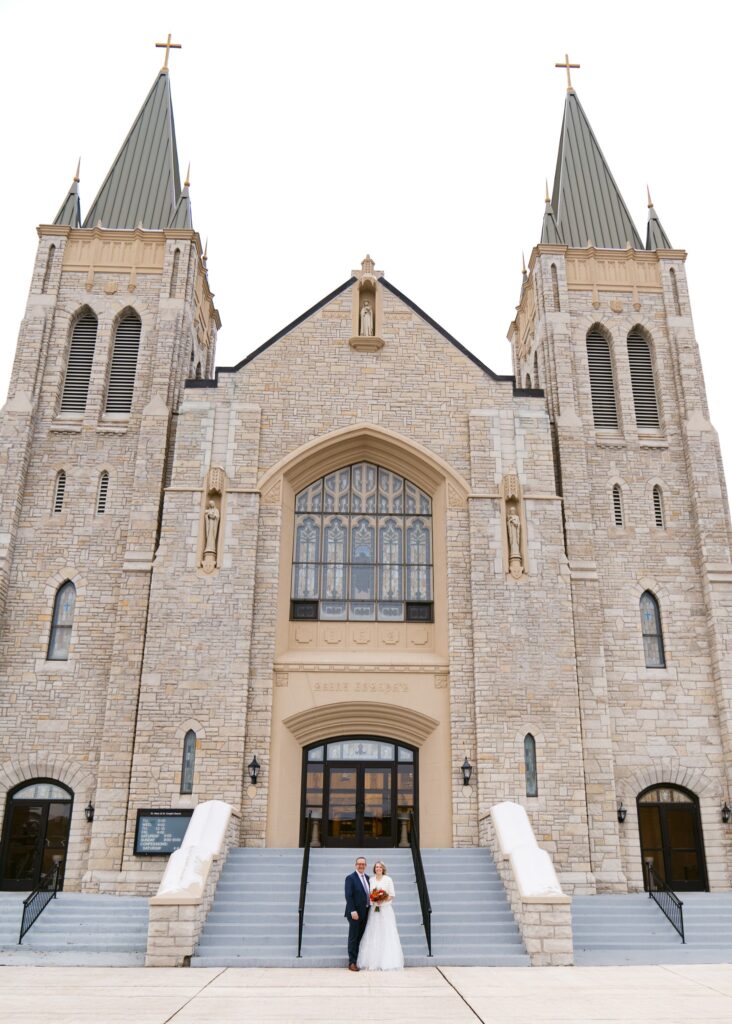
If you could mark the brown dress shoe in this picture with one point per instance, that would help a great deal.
(352, 967)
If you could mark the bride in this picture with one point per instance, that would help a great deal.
(380, 948)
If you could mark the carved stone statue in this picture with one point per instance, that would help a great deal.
(514, 536)
(211, 517)
(366, 329)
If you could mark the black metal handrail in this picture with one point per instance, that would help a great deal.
(424, 896)
(36, 903)
(304, 880)
(666, 899)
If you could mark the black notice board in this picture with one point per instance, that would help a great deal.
(160, 831)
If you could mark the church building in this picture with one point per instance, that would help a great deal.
(359, 583)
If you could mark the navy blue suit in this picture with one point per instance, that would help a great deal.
(356, 899)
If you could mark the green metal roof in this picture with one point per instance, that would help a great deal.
(181, 217)
(70, 211)
(549, 230)
(656, 237)
(143, 184)
(588, 203)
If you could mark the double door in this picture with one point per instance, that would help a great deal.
(671, 838)
(36, 835)
(360, 805)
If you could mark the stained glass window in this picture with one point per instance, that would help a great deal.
(532, 785)
(63, 620)
(362, 548)
(652, 633)
(189, 762)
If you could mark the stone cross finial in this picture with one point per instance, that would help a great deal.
(168, 46)
(567, 66)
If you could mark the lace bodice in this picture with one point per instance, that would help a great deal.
(384, 883)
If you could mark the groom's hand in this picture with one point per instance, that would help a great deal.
(354, 915)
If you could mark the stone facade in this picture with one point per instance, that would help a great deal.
(539, 634)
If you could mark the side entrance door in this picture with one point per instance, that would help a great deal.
(35, 835)
(670, 831)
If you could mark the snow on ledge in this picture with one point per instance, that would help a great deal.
(188, 867)
(532, 867)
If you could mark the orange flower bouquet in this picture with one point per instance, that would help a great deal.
(378, 896)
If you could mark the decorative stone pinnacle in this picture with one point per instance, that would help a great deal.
(367, 265)
(546, 191)
(78, 169)
(187, 182)
(650, 201)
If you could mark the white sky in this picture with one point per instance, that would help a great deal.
(418, 131)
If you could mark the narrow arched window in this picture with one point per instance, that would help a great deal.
(189, 762)
(617, 506)
(675, 292)
(61, 623)
(658, 516)
(199, 372)
(49, 268)
(59, 491)
(532, 784)
(124, 364)
(102, 492)
(652, 633)
(642, 382)
(528, 380)
(602, 383)
(555, 287)
(79, 365)
(174, 274)
(536, 370)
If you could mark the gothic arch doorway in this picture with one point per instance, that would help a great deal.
(359, 790)
(671, 835)
(35, 833)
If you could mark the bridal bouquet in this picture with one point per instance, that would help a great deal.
(378, 896)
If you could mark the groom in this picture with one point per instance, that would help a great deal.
(358, 902)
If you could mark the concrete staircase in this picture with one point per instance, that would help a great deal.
(84, 929)
(614, 929)
(253, 920)
(11, 912)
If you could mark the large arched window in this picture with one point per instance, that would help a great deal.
(362, 548)
(602, 382)
(79, 365)
(124, 364)
(652, 632)
(642, 382)
(63, 620)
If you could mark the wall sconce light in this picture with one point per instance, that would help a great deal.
(467, 770)
(89, 812)
(622, 812)
(254, 767)
(726, 814)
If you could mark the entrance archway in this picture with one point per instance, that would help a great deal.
(671, 835)
(360, 790)
(35, 833)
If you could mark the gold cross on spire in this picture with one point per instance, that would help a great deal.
(168, 46)
(566, 66)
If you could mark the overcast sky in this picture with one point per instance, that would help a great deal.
(420, 132)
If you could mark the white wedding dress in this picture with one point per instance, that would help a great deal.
(380, 948)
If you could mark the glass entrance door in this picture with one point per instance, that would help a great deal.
(670, 832)
(35, 835)
(360, 792)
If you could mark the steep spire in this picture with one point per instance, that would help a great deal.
(181, 217)
(588, 203)
(549, 230)
(656, 237)
(143, 183)
(70, 211)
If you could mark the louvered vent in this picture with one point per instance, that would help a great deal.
(602, 386)
(59, 492)
(102, 495)
(79, 366)
(617, 506)
(124, 365)
(658, 507)
(641, 378)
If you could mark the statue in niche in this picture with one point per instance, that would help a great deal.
(211, 517)
(515, 561)
(366, 329)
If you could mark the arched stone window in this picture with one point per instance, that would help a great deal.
(50, 259)
(124, 364)
(174, 274)
(532, 783)
(59, 491)
(188, 766)
(555, 287)
(675, 291)
(658, 516)
(602, 381)
(642, 382)
(61, 623)
(617, 506)
(102, 492)
(652, 632)
(362, 548)
(536, 370)
(79, 364)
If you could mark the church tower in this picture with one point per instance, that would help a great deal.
(604, 327)
(119, 315)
